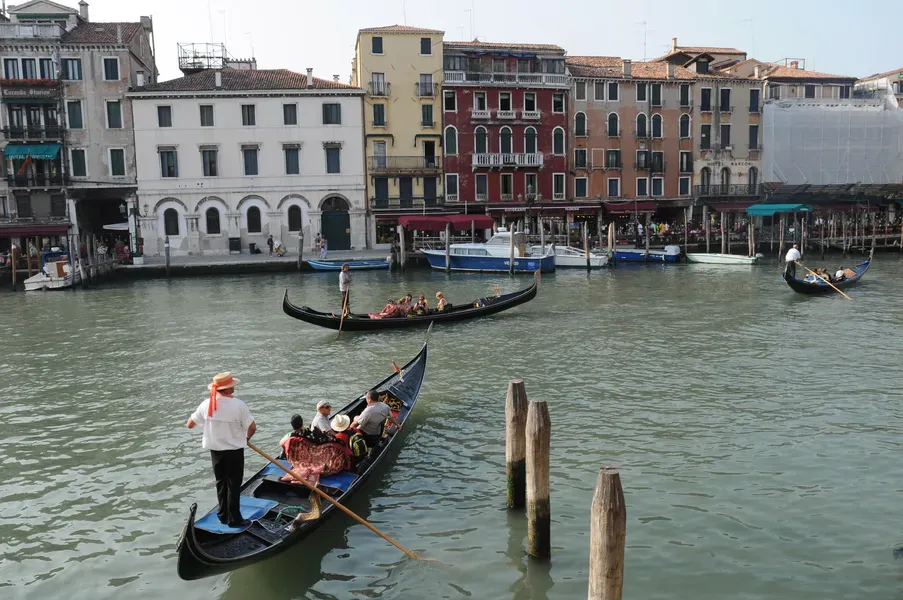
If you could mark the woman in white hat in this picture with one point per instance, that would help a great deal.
(228, 425)
(339, 426)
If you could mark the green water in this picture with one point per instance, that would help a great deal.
(757, 433)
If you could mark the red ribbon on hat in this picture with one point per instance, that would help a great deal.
(214, 389)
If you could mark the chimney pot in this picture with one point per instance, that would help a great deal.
(218, 79)
(670, 70)
(335, 78)
(82, 9)
(627, 63)
(794, 64)
(310, 78)
(674, 44)
(756, 71)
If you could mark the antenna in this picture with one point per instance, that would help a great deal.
(470, 22)
(404, 11)
(250, 41)
(209, 17)
(225, 39)
(752, 33)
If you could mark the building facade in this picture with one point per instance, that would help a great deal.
(227, 157)
(400, 70)
(892, 81)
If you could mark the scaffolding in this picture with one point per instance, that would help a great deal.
(195, 57)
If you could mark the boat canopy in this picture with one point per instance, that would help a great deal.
(769, 210)
(438, 222)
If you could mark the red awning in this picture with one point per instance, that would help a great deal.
(730, 206)
(629, 207)
(461, 222)
(423, 222)
(33, 230)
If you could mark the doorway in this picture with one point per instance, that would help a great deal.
(336, 223)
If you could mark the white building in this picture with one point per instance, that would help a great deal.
(232, 154)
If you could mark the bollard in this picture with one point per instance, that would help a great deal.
(607, 536)
(166, 253)
(515, 443)
(539, 516)
(300, 248)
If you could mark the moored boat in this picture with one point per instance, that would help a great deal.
(354, 265)
(494, 256)
(670, 254)
(722, 259)
(815, 285)
(57, 273)
(566, 256)
(204, 549)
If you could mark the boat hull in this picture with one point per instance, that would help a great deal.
(491, 264)
(354, 265)
(801, 286)
(721, 259)
(655, 256)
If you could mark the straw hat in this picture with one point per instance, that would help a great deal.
(223, 381)
(340, 423)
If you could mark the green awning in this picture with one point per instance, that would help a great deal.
(769, 210)
(35, 151)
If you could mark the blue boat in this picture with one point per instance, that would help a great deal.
(494, 256)
(671, 254)
(354, 265)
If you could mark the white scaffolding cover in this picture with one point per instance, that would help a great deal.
(833, 142)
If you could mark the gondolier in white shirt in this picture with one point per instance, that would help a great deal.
(228, 425)
(793, 255)
(345, 288)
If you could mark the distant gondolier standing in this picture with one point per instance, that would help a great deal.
(793, 255)
(228, 425)
(345, 288)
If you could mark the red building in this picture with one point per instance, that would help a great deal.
(505, 119)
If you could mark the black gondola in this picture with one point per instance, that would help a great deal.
(362, 322)
(801, 286)
(203, 554)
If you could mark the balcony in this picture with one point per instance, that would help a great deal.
(379, 89)
(685, 105)
(557, 195)
(49, 133)
(612, 165)
(426, 90)
(480, 114)
(406, 203)
(31, 31)
(506, 115)
(726, 109)
(507, 160)
(530, 115)
(385, 164)
(36, 181)
(505, 79)
(482, 196)
(451, 197)
(740, 189)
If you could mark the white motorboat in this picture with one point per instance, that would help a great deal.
(56, 273)
(494, 255)
(566, 256)
(722, 259)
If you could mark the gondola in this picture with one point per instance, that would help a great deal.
(362, 322)
(203, 553)
(801, 286)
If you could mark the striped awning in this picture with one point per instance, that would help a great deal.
(35, 151)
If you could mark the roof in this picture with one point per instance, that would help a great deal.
(243, 80)
(781, 72)
(883, 75)
(23, 8)
(613, 67)
(694, 50)
(400, 29)
(478, 45)
(101, 33)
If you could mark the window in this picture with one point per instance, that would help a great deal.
(524, 65)
(171, 221)
(11, 68)
(504, 101)
(613, 91)
(164, 116)
(580, 125)
(332, 114)
(658, 162)
(684, 126)
(289, 114)
(580, 187)
(613, 159)
(683, 186)
(74, 114)
(725, 135)
(552, 65)
(810, 91)
(656, 126)
(753, 178)
(530, 141)
(642, 159)
(294, 218)
(450, 101)
(685, 94)
(111, 69)
(425, 85)
(254, 225)
(845, 91)
(451, 140)
(206, 115)
(333, 159)
(656, 94)
(641, 130)
(479, 100)
(426, 47)
(705, 137)
(614, 187)
(451, 186)
(558, 186)
(169, 162)
(480, 141)
(426, 115)
(754, 100)
(46, 65)
(686, 161)
(249, 160)
(209, 162)
(482, 186)
(379, 115)
(658, 186)
(114, 114)
(77, 162)
(613, 125)
(753, 137)
(642, 186)
(599, 91)
(378, 85)
(376, 45)
(529, 102)
(725, 101)
(530, 185)
(379, 155)
(499, 65)
(29, 68)
(641, 92)
(71, 69)
(706, 100)
(558, 141)
(117, 162)
(705, 177)
(213, 227)
(581, 90)
(248, 115)
(506, 185)
(580, 158)
(455, 63)
(557, 103)
(292, 160)
(774, 91)
(505, 145)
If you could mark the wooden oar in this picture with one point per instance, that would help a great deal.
(823, 279)
(344, 309)
(335, 503)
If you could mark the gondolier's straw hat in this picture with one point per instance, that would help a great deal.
(340, 423)
(221, 381)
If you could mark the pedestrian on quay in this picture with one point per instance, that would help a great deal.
(228, 426)
(324, 247)
(345, 287)
(270, 244)
(793, 255)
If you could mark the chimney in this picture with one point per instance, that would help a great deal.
(794, 64)
(335, 78)
(756, 71)
(218, 79)
(626, 62)
(673, 44)
(310, 78)
(139, 79)
(670, 70)
(83, 10)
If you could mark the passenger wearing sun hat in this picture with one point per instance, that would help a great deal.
(228, 425)
(321, 419)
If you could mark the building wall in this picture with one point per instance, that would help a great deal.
(231, 192)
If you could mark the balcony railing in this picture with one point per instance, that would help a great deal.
(404, 163)
(507, 197)
(51, 132)
(754, 109)
(658, 167)
(506, 114)
(406, 202)
(531, 115)
(480, 114)
(741, 189)
(557, 195)
(451, 197)
(426, 90)
(613, 164)
(726, 109)
(379, 88)
(482, 196)
(31, 30)
(36, 181)
(508, 160)
(523, 79)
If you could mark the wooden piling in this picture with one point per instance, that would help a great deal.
(822, 238)
(511, 249)
(646, 232)
(781, 238)
(723, 240)
(803, 222)
(166, 253)
(843, 240)
(12, 252)
(586, 245)
(607, 537)
(705, 225)
(28, 255)
(401, 252)
(448, 232)
(874, 218)
(539, 516)
(515, 443)
(686, 227)
(300, 248)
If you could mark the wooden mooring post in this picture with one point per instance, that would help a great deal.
(515, 443)
(706, 225)
(166, 253)
(539, 516)
(607, 537)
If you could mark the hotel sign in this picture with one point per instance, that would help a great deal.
(29, 89)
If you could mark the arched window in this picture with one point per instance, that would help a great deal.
(505, 145)
(641, 130)
(684, 126)
(613, 125)
(294, 218)
(558, 141)
(530, 141)
(171, 221)
(753, 180)
(480, 141)
(725, 176)
(254, 220)
(451, 140)
(212, 221)
(580, 124)
(705, 178)
(656, 126)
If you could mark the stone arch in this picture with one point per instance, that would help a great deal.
(211, 199)
(295, 200)
(326, 199)
(252, 197)
(170, 199)
(206, 204)
(293, 197)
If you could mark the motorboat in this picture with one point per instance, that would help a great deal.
(723, 259)
(494, 255)
(671, 254)
(57, 273)
(568, 257)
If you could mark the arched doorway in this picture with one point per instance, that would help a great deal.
(336, 223)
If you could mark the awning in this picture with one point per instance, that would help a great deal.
(729, 206)
(769, 210)
(35, 151)
(629, 207)
(33, 230)
(423, 223)
(460, 222)
(117, 226)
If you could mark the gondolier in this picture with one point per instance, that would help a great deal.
(793, 255)
(228, 425)
(345, 288)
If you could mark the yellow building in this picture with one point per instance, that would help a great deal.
(400, 70)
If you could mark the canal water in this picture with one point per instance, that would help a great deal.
(757, 433)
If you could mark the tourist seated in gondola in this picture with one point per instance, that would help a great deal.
(311, 454)
(391, 309)
(298, 429)
(442, 303)
(408, 302)
(370, 421)
(841, 274)
(421, 307)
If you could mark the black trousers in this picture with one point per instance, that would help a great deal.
(228, 469)
(791, 269)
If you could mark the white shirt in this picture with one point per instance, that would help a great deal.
(839, 274)
(344, 281)
(792, 255)
(227, 429)
(372, 418)
(320, 422)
